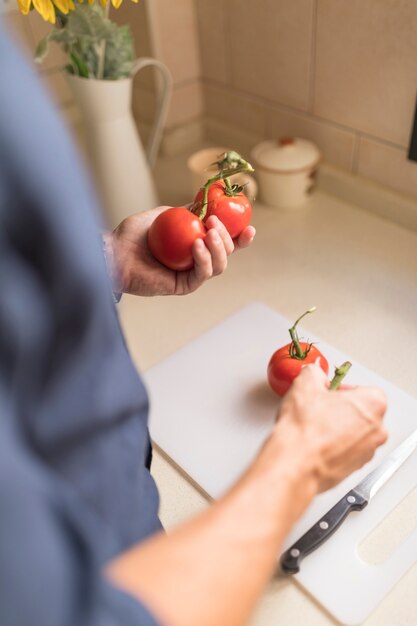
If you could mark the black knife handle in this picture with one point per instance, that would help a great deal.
(322, 530)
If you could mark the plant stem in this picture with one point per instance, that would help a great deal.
(222, 175)
(102, 48)
(339, 374)
(294, 335)
(228, 185)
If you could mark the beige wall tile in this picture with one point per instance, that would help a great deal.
(213, 39)
(39, 29)
(57, 87)
(186, 104)
(19, 28)
(366, 65)
(270, 48)
(226, 135)
(336, 144)
(230, 106)
(176, 140)
(387, 165)
(144, 103)
(175, 34)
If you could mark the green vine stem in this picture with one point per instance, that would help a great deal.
(232, 163)
(299, 353)
(102, 47)
(339, 374)
(228, 186)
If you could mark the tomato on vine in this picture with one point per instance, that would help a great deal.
(172, 234)
(287, 362)
(228, 203)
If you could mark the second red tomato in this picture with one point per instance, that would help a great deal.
(234, 211)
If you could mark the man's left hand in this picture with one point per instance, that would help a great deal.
(137, 272)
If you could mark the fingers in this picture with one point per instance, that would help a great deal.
(246, 237)
(311, 378)
(210, 258)
(371, 401)
(217, 249)
(210, 255)
(203, 267)
(214, 222)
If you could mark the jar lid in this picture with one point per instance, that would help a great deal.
(288, 154)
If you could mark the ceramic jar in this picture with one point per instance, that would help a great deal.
(285, 170)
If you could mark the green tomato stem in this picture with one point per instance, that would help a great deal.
(339, 374)
(235, 164)
(299, 353)
(228, 185)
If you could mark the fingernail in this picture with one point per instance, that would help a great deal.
(199, 244)
(216, 236)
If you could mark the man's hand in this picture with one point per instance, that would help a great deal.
(338, 431)
(136, 271)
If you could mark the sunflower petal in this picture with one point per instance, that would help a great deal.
(46, 9)
(63, 5)
(116, 3)
(24, 6)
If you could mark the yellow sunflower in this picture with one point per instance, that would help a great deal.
(46, 8)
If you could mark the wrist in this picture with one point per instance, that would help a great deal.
(287, 464)
(113, 267)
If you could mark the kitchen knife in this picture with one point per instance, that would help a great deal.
(355, 500)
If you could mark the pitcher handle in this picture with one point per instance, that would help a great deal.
(162, 105)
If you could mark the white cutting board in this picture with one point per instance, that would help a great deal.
(211, 411)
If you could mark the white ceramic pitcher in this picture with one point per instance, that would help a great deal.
(121, 167)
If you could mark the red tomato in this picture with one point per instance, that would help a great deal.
(283, 368)
(234, 211)
(171, 237)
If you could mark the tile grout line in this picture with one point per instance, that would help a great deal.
(226, 24)
(355, 155)
(285, 108)
(312, 69)
(197, 30)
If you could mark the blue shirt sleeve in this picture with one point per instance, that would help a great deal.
(49, 572)
(74, 489)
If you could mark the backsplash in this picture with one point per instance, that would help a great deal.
(342, 73)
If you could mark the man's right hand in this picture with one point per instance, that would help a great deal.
(336, 432)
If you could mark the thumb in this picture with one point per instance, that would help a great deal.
(312, 378)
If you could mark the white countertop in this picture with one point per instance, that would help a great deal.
(361, 273)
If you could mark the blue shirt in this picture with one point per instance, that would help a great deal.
(74, 486)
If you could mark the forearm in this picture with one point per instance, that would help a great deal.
(213, 569)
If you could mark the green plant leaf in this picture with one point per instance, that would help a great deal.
(120, 53)
(81, 35)
(88, 21)
(42, 49)
(79, 66)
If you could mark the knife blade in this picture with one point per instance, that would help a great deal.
(355, 500)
